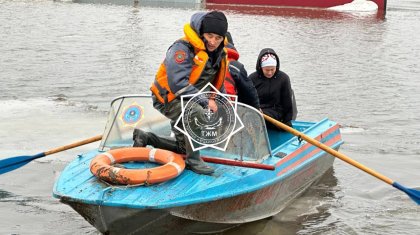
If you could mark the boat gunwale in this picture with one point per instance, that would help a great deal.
(212, 197)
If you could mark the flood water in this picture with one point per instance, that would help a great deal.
(61, 64)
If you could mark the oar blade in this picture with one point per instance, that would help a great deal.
(10, 164)
(412, 193)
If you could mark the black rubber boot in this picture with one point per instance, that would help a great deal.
(195, 163)
(163, 143)
(142, 138)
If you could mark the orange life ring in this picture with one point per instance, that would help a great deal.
(102, 166)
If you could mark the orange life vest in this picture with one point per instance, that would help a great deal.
(160, 86)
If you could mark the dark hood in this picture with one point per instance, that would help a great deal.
(262, 53)
(196, 20)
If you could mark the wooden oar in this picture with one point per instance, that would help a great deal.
(10, 164)
(412, 193)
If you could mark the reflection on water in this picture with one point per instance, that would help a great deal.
(5, 194)
(149, 3)
(309, 13)
(306, 213)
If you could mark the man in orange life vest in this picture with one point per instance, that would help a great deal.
(190, 63)
(237, 81)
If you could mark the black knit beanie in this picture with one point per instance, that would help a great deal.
(214, 22)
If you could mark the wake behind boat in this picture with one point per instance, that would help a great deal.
(193, 203)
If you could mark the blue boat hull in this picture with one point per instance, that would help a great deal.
(190, 219)
(193, 203)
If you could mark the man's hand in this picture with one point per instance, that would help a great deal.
(212, 105)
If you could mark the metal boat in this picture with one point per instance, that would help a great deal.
(194, 203)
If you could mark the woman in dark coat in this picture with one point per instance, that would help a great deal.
(274, 89)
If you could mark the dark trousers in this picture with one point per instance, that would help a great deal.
(173, 111)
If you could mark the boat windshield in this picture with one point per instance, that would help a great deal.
(137, 111)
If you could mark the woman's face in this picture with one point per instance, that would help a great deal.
(269, 71)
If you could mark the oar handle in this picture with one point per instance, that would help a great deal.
(231, 162)
(329, 150)
(238, 163)
(73, 145)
